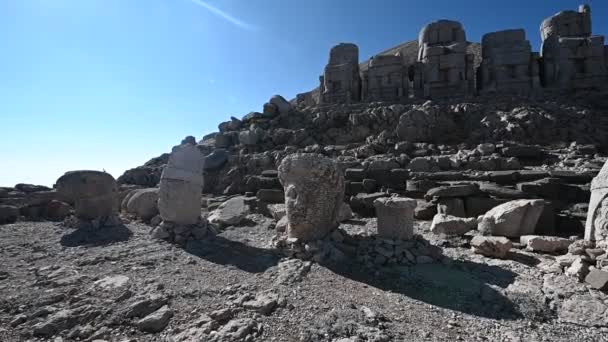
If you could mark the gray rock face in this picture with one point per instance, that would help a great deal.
(596, 226)
(314, 188)
(512, 219)
(156, 321)
(491, 246)
(215, 159)
(598, 279)
(459, 190)
(94, 193)
(395, 217)
(452, 225)
(8, 214)
(230, 213)
(143, 203)
(546, 244)
(279, 102)
(181, 185)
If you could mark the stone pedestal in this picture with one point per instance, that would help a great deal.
(395, 217)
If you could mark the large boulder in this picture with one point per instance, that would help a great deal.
(279, 102)
(545, 244)
(314, 189)
(491, 246)
(230, 213)
(143, 203)
(94, 193)
(512, 219)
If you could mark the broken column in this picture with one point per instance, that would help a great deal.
(572, 58)
(314, 188)
(444, 68)
(341, 82)
(95, 197)
(596, 227)
(179, 197)
(395, 217)
(508, 64)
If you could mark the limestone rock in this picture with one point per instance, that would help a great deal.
(452, 225)
(314, 188)
(282, 105)
(597, 279)
(596, 227)
(512, 219)
(94, 193)
(458, 190)
(230, 213)
(156, 321)
(57, 210)
(546, 244)
(395, 217)
(578, 269)
(179, 198)
(143, 203)
(491, 246)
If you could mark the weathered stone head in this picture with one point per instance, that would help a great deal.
(596, 227)
(314, 189)
(94, 193)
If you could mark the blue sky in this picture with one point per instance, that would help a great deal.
(109, 84)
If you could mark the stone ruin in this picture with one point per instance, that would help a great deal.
(340, 82)
(444, 68)
(179, 196)
(95, 197)
(508, 64)
(570, 58)
(596, 226)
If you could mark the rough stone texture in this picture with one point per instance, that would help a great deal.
(597, 279)
(395, 217)
(491, 246)
(94, 193)
(512, 219)
(452, 225)
(384, 79)
(572, 58)
(458, 190)
(230, 213)
(451, 206)
(314, 188)
(596, 226)
(546, 244)
(181, 184)
(508, 64)
(143, 203)
(444, 68)
(341, 82)
(578, 269)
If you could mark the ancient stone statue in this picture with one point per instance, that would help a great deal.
(572, 58)
(314, 188)
(95, 196)
(444, 68)
(508, 64)
(395, 217)
(596, 227)
(341, 82)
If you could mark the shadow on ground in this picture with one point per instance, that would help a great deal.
(464, 286)
(96, 237)
(223, 251)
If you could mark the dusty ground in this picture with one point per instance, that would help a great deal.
(48, 291)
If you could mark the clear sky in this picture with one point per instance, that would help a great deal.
(109, 84)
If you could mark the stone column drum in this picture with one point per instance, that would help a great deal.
(314, 188)
(596, 227)
(181, 183)
(95, 196)
(395, 217)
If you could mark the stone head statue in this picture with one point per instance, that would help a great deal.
(314, 189)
